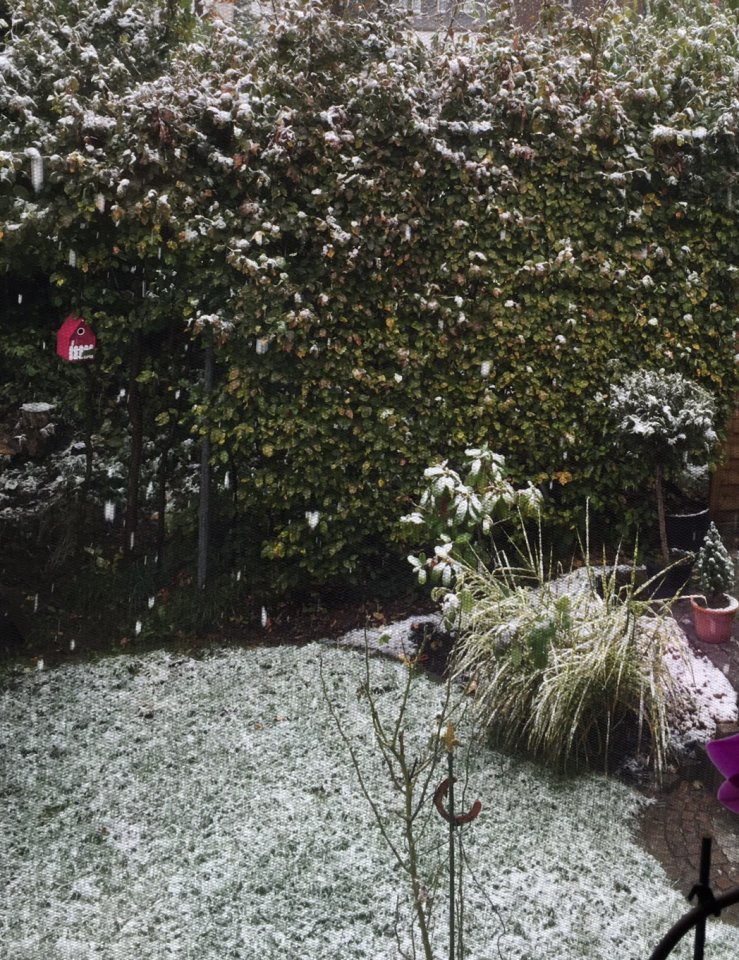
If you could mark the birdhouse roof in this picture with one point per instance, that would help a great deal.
(71, 323)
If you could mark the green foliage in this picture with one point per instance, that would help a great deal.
(665, 420)
(564, 669)
(715, 567)
(460, 514)
(396, 251)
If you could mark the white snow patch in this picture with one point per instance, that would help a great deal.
(164, 807)
(710, 698)
(393, 639)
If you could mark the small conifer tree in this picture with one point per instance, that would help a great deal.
(715, 567)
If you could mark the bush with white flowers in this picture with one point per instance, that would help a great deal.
(460, 514)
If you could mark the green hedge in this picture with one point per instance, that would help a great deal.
(548, 210)
(403, 251)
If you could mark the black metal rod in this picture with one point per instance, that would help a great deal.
(205, 491)
(450, 766)
(703, 892)
(686, 923)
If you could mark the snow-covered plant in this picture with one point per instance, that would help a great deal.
(666, 421)
(413, 763)
(460, 514)
(693, 482)
(561, 667)
(715, 568)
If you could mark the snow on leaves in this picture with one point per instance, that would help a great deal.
(475, 224)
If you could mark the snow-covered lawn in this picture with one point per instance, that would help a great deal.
(159, 806)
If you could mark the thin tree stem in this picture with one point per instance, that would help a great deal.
(661, 515)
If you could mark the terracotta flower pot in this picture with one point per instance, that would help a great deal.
(714, 625)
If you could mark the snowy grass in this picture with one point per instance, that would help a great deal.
(160, 807)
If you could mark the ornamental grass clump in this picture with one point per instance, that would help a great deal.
(715, 569)
(567, 670)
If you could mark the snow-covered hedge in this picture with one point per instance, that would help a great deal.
(398, 251)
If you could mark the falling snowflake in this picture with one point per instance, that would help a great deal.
(265, 618)
(72, 645)
(151, 602)
(485, 368)
(109, 511)
(73, 258)
(37, 168)
(100, 202)
(137, 628)
(261, 345)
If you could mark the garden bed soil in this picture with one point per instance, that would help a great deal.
(290, 623)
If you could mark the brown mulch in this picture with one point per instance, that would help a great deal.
(296, 623)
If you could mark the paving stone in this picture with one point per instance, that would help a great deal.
(672, 828)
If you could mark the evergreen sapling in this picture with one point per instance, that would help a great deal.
(715, 569)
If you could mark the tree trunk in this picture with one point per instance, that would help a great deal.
(664, 547)
(35, 427)
(136, 419)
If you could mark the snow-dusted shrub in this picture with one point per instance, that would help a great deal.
(665, 421)
(460, 514)
(715, 567)
(664, 412)
(562, 668)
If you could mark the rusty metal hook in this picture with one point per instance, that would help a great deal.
(460, 818)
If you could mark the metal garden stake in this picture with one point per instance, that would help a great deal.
(454, 820)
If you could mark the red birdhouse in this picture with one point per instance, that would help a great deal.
(75, 341)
